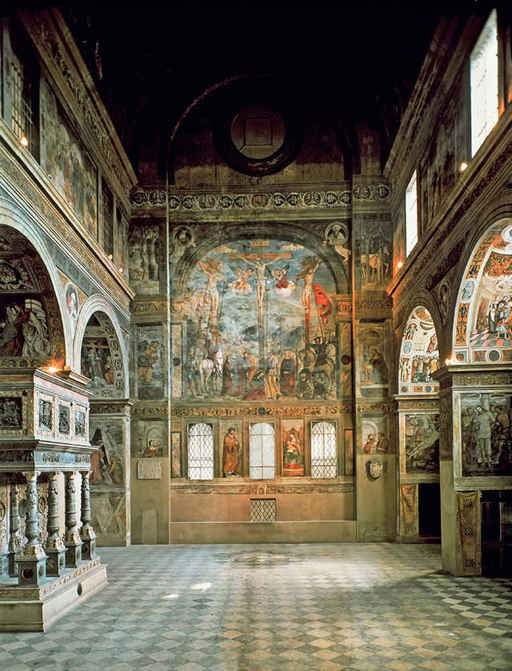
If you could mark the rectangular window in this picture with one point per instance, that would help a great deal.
(411, 215)
(200, 452)
(261, 451)
(483, 67)
(324, 460)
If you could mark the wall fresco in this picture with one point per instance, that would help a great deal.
(150, 376)
(144, 257)
(483, 332)
(63, 158)
(419, 355)
(292, 435)
(422, 443)
(375, 439)
(486, 421)
(150, 439)
(231, 448)
(374, 366)
(107, 463)
(260, 324)
(97, 364)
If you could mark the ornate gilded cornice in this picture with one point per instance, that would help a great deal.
(56, 47)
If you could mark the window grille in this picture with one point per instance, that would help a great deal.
(263, 510)
(200, 452)
(22, 115)
(411, 215)
(323, 450)
(261, 451)
(484, 83)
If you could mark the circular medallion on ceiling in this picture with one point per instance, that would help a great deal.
(258, 138)
(257, 131)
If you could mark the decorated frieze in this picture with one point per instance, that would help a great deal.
(140, 307)
(43, 460)
(155, 197)
(246, 488)
(255, 411)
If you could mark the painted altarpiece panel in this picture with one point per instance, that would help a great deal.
(421, 443)
(231, 452)
(293, 446)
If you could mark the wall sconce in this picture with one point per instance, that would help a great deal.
(400, 264)
(121, 269)
(463, 165)
(24, 141)
(52, 369)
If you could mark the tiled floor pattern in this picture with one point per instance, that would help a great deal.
(265, 607)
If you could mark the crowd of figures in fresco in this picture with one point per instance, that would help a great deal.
(260, 324)
(486, 424)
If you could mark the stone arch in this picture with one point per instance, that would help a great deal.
(419, 353)
(98, 307)
(58, 320)
(482, 320)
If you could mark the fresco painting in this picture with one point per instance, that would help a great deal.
(484, 310)
(486, 421)
(97, 365)
(150, 380)
(375, 436)
(150, 439)
(293, 447)
(419, 356)
(260, 324)
(176, 454)
(67, 163)
(232, 450)
(107, 462)
(374, 367)
(422, 443)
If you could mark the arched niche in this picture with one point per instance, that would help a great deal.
(15, 223)
(31, 328)
(100, 352)
(257, 317)
(482, 330)
(419, 354)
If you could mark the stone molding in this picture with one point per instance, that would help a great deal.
(154, 197)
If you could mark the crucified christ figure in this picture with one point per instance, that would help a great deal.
(309, 268)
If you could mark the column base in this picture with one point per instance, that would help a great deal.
(12, 561)
(56, 562)
(88, 538)
(73, 555)
(4, 565)
(31, 571)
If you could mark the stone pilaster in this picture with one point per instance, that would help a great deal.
(55, 548)
(32, 558)
(72, 537)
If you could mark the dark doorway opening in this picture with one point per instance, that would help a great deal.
(429, 510)
(497, 533)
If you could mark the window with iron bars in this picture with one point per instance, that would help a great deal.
(200, 452)
(324, 460)
(22, 103)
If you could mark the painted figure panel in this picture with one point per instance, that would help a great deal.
(419, 356)
(10, 413)
(107, 463)
(24, 328)
(68, 164)
(150, 380)
(375, 436)
(97, 365)
(175, 454)
(292, 431)
(486, 434)
(374, 376)
(422, 443)
(144, 268)
(150, 439)
(232, 451)
(260, 324)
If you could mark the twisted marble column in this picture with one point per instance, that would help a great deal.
(15, 536)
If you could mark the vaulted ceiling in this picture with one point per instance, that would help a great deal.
(343, 64)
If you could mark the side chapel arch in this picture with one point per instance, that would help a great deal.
(41, 278)
(97, 308)
(482, 330)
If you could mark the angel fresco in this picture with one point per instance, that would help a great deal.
(283, 286)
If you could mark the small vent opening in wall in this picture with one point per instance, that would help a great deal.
(263, 510)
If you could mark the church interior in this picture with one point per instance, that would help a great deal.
(255, 358)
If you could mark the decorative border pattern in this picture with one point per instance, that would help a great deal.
(153, 197)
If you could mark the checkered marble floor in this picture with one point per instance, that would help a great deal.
(265, 607)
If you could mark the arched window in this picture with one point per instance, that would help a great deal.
(200, 452)
(323, 450)
(261, 451)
